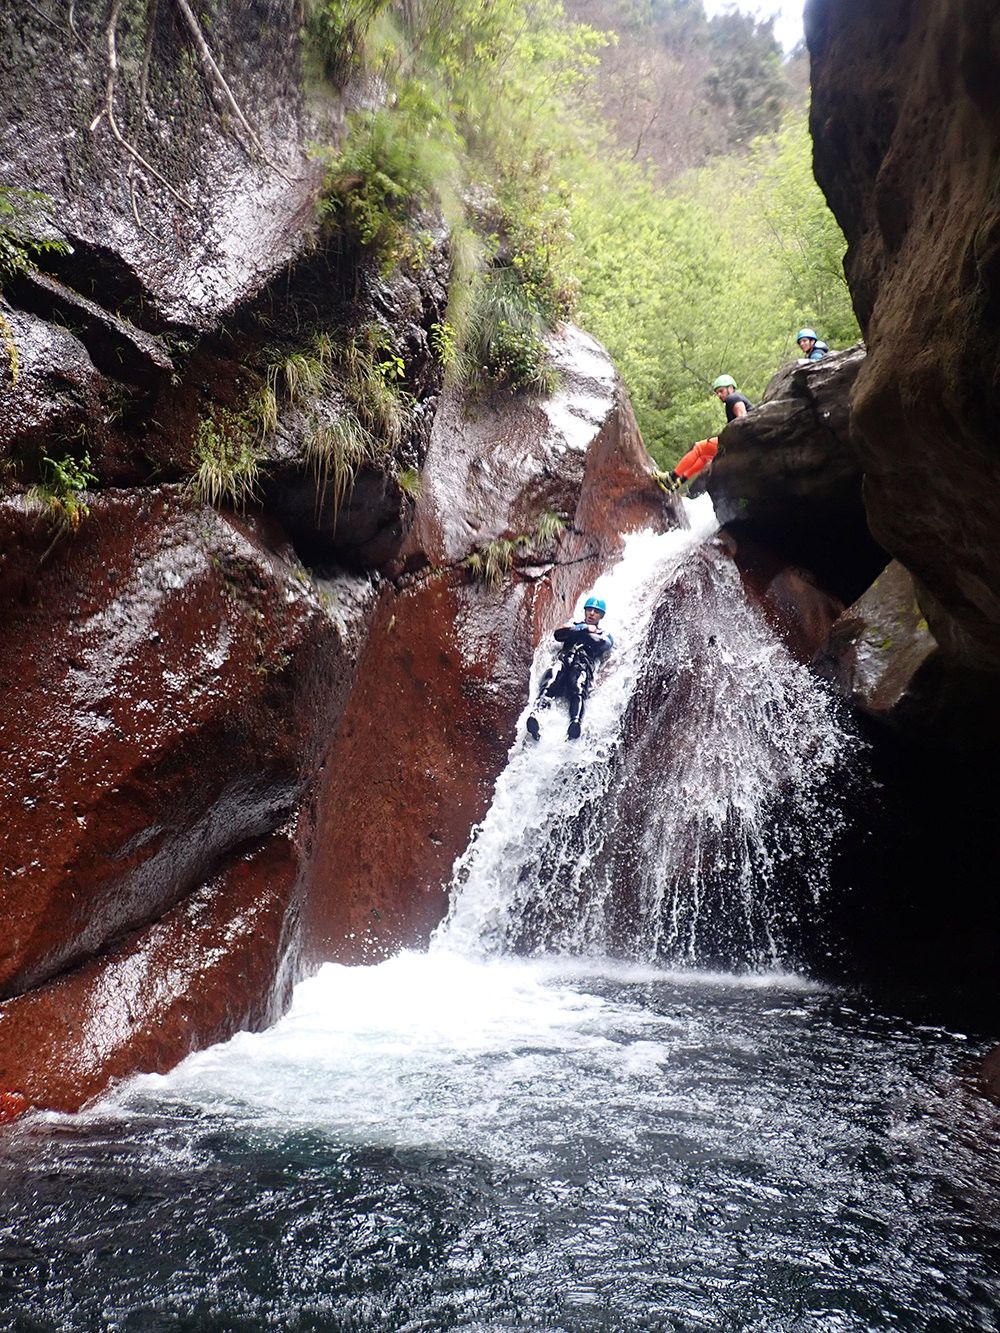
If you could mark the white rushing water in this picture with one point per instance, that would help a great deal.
(686, 821)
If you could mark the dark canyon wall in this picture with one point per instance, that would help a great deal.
(906, 123)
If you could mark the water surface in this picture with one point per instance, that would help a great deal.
(441, 1143)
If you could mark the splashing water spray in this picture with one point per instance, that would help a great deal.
(691, 822)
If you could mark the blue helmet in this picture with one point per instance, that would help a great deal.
(806, 333)
(595, 604)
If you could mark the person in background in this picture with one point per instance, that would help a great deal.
(810, 346)
(584, 645)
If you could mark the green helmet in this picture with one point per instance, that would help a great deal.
(724, 382)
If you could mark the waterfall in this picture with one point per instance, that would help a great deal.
(691, 822)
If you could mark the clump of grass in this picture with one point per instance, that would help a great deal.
(363, 376)
(550, 525)
(492, 563)
(370, 381)
(264, 410)
(296, 376)
(337, 451)
(226, 461)
(504, 344)
(409, 482)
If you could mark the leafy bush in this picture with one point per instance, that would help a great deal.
(393, 162)
(504, 345)
(712, 277)
(336, 32)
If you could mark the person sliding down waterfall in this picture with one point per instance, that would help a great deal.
(584, 644)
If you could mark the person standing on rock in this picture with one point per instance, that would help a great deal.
(701, 454)
(584, 645)
(810, 346)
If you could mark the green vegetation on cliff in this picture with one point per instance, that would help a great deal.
(489, 116)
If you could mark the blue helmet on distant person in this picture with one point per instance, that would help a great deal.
(595, 604)
(806, 333)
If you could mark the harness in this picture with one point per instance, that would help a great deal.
(576, 658)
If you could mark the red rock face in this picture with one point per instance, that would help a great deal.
(906, 123)
(445, 671)
(214, 965)
(170, 679)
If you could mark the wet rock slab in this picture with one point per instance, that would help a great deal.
(906, 123)
(788, 477)
(171, 677)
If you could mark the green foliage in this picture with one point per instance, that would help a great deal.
(337, 451)
(745, 80)
(492, 562)
(394, 161)
(713, 277)
(21, 242)
(478, 90)
(61, 490)
(226, 460)
(444, 343)
(336, 33)
(409, 482)
(504, 346)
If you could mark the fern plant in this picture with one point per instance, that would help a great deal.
(62, 488)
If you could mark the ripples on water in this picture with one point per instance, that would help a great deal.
(436, 1143)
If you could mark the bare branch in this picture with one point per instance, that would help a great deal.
(216, 75)
(109, 108)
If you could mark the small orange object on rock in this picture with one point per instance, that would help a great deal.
(12, 1104)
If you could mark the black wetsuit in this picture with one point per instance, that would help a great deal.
(730, 401)
(573, 674)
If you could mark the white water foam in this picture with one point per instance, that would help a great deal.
(692, 817)
(437, 1050)
(549, 785)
